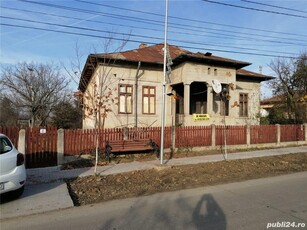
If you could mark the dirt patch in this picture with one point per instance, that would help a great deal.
(92, 189)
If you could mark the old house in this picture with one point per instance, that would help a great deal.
(134, 82)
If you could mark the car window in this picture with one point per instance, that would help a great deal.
(5, 145)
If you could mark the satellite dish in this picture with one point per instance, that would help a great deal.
(216, 86)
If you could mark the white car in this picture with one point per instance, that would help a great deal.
(12, 168)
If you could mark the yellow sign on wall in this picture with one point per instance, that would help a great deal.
(201, 117)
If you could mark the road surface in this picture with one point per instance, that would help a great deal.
(253, 205)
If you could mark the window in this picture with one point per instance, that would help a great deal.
(5, 145)
(198, 98)
(224, 107)
(149, 99)
(243, 105)
(215, 72)
(125, 98)
(209, 71)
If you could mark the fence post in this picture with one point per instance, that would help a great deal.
(278, 134)
(305, 126)
(248, 135)
(60, 147)
(213, 133)
(22, 142)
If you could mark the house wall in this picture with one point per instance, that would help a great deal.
(184, 73)
(188, 72)
(127, 75)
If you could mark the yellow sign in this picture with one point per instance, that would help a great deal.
(201, 117)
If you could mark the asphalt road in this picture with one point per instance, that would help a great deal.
(251, 205)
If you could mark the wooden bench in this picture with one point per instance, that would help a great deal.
(125, 146)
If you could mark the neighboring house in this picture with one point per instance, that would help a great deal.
(136, 78)
(268, 103)
(279, 102)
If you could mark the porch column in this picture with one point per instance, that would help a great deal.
(186, 105)
(209, 99)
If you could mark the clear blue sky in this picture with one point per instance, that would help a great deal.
(196, 25)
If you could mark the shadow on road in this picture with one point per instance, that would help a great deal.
(208, 214)
(163, 212)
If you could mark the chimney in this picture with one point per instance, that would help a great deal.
(142, 45)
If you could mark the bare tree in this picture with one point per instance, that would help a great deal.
(8, 113)
(95, 95)
(291, 85)
(34, 88)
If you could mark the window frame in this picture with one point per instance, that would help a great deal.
(149, 96)
(126, 94)
(243, 104)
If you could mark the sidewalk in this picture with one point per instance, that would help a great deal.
(46, 190)
(54, 174)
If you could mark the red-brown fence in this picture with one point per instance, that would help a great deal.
(260, 134)
(292, 133)
(41, 144)
(12, 133)
(83, 141)
(41, 147)
(189, 136)
(235, 135)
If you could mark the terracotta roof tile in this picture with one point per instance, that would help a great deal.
(151, 54)
(155, 54)
(244, 72)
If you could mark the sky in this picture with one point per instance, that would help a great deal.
(48, 31)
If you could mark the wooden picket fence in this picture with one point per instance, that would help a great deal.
(292, 133)
(41, 147)
(83, 141)
(12, 133)
(235, 135)
(261, 134)
(190, 136)
(41, 143)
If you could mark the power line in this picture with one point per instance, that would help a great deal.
(189, 19)
(160, 23)
(274, 6)
(125, 17)
(122, 25)
(185, 19)
(138, 35)
(142, 41)
(255, 9)
(143, 28)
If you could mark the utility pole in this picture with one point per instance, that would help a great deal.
(164, 84)
(32, 99)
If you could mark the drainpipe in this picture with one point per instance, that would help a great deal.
(136, 96)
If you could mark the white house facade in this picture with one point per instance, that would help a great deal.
(135, 79)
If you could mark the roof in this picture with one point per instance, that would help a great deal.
(149, 54)
(246, 73)
(272, 100)
(281, 98)
(154, 55)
